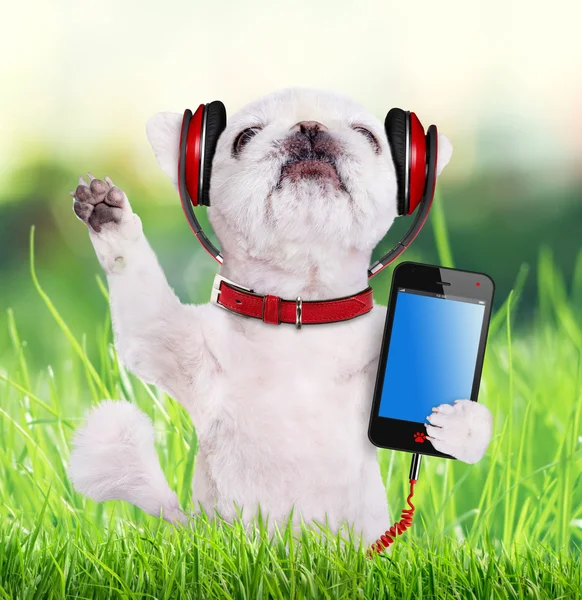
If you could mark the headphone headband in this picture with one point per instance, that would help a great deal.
(423, 208)
(414, 156)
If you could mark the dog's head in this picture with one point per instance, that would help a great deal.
(296, 169)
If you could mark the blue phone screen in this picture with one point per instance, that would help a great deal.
(432, 354)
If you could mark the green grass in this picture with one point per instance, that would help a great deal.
(214, 561)
(509, 526)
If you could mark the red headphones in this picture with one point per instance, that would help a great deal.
(414, 154)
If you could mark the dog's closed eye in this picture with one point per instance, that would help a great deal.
(371, 137)
(243, 138)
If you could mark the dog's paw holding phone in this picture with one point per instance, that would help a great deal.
(462, 430)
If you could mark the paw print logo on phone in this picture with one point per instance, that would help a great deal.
(419, 437)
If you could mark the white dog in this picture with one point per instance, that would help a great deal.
(281, 414)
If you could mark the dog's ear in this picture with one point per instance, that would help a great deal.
(445, 152)
(163, 131)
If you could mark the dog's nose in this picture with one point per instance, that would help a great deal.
(309, 128)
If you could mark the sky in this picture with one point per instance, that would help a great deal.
(503, 79)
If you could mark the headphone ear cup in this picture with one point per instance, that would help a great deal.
(215, 116)
(182, 187)
(417, 163)
(396, 127)
(190, 151)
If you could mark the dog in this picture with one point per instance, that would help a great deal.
(281, 414)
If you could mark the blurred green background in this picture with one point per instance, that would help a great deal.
(79, 80)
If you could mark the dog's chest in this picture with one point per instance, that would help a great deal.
(297, 395)
(295, 380)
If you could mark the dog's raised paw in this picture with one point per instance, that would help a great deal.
(99, 203)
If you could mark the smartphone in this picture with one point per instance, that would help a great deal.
(432, 351)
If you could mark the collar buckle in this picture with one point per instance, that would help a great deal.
(215, 292)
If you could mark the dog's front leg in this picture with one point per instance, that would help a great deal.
(156, 336)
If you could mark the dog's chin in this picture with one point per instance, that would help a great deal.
(317, 171)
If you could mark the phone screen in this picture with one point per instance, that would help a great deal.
(432, 353)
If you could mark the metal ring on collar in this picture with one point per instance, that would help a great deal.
(298, 312)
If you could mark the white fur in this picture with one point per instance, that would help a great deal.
(114, 458)
(281, 414)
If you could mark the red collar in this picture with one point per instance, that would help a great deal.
(272, 309)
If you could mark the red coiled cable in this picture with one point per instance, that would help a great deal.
(398, 528)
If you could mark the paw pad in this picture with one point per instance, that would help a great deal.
(419, 437)
(99, 203)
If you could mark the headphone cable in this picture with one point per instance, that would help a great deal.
(405, 519)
